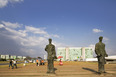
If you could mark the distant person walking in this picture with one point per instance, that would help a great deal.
(14, 63)
(42, 62)
(61, 63)
(37, 62)
(10, 63)
(25, 63)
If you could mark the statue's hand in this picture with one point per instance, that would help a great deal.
(98, 55)
(55, 57)
(106, 55)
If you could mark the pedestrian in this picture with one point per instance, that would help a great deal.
(14, 63)
(61, 63)
(37, 62)
(25, 63)
(42, 62)
(10, 63)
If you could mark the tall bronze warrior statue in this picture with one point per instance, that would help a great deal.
(101, 54)
(50, 49)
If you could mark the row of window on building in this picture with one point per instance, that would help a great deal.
(75, 53)
(11, 57)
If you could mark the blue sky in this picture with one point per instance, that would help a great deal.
(69, 22)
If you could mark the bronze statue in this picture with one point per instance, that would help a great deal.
(101, 54)
(50, 49)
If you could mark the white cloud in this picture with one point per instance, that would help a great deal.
(35, 30)
(30, 51)
(30, 40)
(40, 31)
(16, 1)
(97, 30)
(105, 38)
(4, 3)
(56, 36)
(1, 25)
(11, 25)
(17, 33)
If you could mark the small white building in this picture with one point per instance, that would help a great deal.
(24, 57)
(19, 57)
(7, 57)
(13, 57)
(3, 56)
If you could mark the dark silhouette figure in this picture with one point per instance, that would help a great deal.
(10, 63)
(50, 49)
(101, 54)
(37, 62)
(14, 63)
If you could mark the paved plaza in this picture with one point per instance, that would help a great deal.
(69, 69)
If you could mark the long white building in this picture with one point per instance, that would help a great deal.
(75, 53)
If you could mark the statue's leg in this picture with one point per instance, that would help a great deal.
(48, 71)
(99, 67)
(52, 66)
(103, 66)
(103, 70)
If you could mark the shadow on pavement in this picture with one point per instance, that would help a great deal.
(90, 70)
(55, 69)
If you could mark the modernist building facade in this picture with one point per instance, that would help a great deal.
(11, 57)
(75, 53)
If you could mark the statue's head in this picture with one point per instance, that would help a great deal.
(100, 38)
(50, 40)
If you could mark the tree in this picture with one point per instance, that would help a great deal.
(28, 57)
(39, 57)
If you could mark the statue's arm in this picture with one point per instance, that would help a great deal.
(97, 50)
(46, 48)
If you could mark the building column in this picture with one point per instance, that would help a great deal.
(83, 53)
(67, 53)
